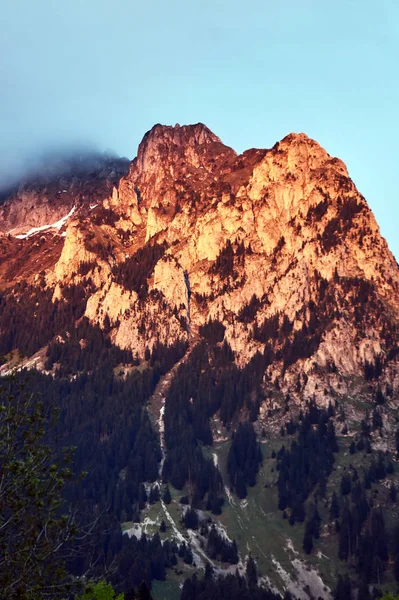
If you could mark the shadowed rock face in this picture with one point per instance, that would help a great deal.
(47, 194)
(278, 245)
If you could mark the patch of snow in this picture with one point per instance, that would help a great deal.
(169, 517)
(215, 459)
(30, 364)
(139, 528)
(226, 489)
(222, 532)
(147, 521)
(135, 531)
(290, 546)
(305, 577)
(148, 486)
(161, 427)
(199, 555)
(266, 583)
(57, 225)
(229, 495)
(311, 578)
(161, 414)
(289, 584)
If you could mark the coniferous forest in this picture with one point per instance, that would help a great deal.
(103, 396)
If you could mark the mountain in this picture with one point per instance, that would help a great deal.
(266, 239)
(251, 288)
(57, 184)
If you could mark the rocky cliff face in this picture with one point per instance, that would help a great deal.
(277, 245)
(58, 186)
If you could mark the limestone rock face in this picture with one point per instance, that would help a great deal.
(278, 245)
(170, 161)
(73, 253)
(113, 300)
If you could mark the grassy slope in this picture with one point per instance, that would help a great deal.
(258, 527)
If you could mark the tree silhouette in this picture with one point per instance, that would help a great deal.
(33, 529)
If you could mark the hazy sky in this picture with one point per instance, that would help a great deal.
(102, 72)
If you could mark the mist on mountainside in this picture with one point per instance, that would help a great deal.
(51, 163)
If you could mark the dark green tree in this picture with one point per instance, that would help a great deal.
(166, 497)
(33, 529)
(252, 573)
(334, 508)
(308, 538)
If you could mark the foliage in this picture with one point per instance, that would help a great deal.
(338, 227)
(247, 313)
(212, 331)
(229, 587)
(100, 591)
(86, 347)
(244, 459)
(307, 463)
(134, 273)
(218, 547)
(29, 318)
(111, 431)
(33, 528)
(224, 264)
(186, 423)
(316, 212)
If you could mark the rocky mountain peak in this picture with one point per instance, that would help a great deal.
(183, 146)
(298, 152)
(303, 140)
(173, 166)
(180, 135)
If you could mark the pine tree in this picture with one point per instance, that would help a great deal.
(334, 508)
(166, 497)
(345, 533)
(154, 494)
(343, 591)
(346, 484)
(308, 539)
(393, 492)
(252, 573)
(190, 518)
(33, 527)
(188, 556)
(144, 592)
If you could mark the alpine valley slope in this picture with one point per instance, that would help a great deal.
(271, 260)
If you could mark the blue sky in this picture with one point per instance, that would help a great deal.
(101, 73)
